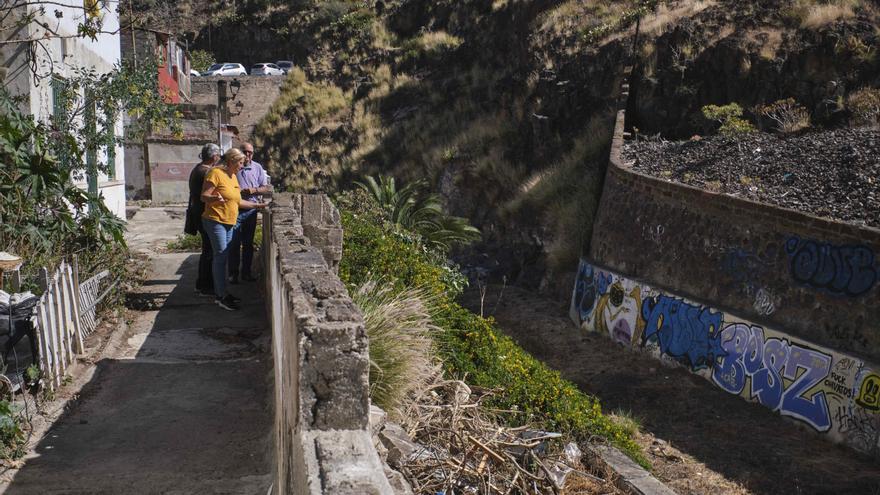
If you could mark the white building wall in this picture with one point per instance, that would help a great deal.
(62, 57)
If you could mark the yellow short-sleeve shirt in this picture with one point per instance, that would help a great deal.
(227, 185)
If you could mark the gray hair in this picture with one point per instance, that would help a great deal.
(209, 150)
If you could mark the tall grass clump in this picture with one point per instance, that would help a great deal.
(400, 330)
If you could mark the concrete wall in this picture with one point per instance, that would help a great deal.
(321, 359)
(251, 103)
(789, 315)
(829, 392)
(815, 277)
(171, 158)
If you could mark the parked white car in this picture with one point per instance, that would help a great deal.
(225, 69)
(194, 73)
(285, 65)
(266, 69)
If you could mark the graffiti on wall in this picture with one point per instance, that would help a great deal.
(770, 364)
(840, 270)
(689, 333)
(835, 394)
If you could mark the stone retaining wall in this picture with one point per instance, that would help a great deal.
(777, 306)
(321, 360)
(817, 278)
(252, 100)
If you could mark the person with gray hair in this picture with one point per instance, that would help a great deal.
(210, 156)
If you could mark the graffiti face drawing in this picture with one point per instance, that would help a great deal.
(618, 314)
(869, 393)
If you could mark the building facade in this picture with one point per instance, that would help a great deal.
(51, 50)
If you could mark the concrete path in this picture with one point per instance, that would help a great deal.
(180, 402)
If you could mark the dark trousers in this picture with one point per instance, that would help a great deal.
(241, 249)
(205, 280)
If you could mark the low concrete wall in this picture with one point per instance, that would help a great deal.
(321, 360)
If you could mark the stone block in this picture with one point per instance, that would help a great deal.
(400, 446)
(348, 463)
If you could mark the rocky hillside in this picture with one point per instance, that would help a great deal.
(506, 106)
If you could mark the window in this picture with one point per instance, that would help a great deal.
(111, 145)
(59, 119)
(92, 150)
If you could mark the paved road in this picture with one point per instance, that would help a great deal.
(180, 405)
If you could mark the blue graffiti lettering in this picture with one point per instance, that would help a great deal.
(767, 362)
(844, 270)
(691, 334)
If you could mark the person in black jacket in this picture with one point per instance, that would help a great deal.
(210, 155)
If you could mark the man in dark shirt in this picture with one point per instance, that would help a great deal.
(210, 155)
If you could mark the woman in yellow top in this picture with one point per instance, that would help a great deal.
(222, 197)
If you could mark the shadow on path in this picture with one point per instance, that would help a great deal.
(743, 442)
(180, 406)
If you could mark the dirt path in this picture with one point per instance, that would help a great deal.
(179, 403)
(700, 440)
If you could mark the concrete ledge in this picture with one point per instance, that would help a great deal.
(632, 478)
(347, 462)
(320, 353)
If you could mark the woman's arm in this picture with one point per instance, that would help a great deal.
(249, 205)
(210, 194)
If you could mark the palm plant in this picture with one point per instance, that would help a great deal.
(422, 212)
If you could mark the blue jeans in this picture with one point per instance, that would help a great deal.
(241, 249)
(220, 235)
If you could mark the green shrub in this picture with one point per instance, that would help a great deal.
(201, 60)
(12, 437)
(730, 118)
(185, 243)
(470, 346)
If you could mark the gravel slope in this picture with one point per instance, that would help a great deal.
(831, 174)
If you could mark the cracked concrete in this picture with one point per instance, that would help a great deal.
(178, 404)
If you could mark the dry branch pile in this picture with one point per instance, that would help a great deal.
(464, 450)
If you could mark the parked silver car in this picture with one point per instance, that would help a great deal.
(225, 69)
(285, 65)
(266, 69)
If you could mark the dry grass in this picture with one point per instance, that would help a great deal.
(812, 14)
(400, 330)
(668, 14)
(769, 40)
